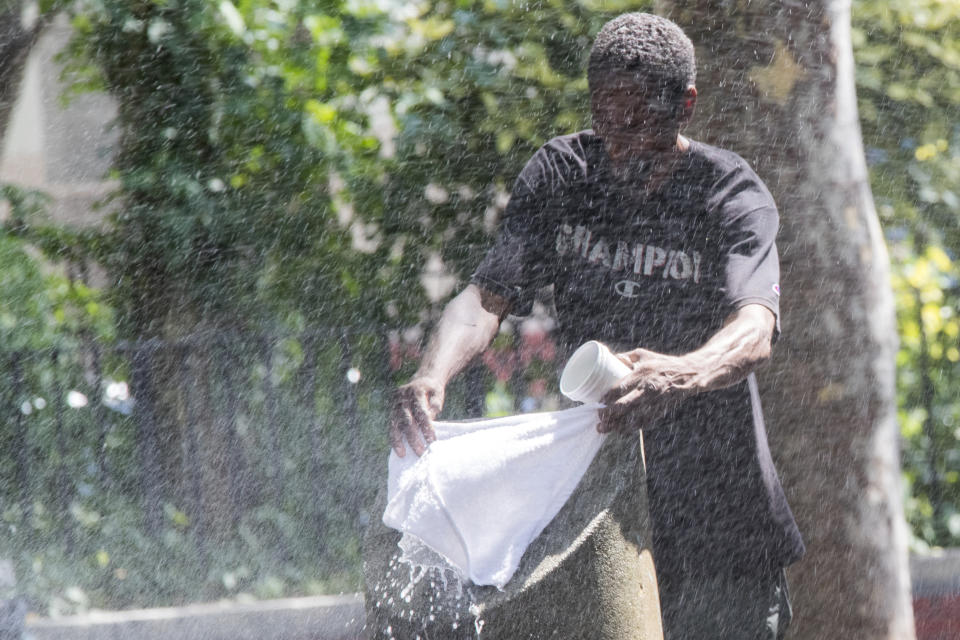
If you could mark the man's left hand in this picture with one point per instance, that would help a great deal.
(657, 383)
(645, 395)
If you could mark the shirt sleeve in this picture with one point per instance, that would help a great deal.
(515, 266)
(751, 272)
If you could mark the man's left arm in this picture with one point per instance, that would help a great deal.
(658, 382)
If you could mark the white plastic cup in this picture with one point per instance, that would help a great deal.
(591, 372)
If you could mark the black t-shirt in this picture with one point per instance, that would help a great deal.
(662, 271)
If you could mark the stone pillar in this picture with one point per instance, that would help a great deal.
(588, 575)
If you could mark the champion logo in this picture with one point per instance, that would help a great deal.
(776, 289)
(627, 288)
(646, 260)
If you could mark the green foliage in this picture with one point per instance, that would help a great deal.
(41, 311)
(72, 476)
(927, 292)
(908, 79)
(214, 166)
(112, 561)
(304, 159)
(45, 320)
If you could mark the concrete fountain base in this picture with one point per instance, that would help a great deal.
(588, 575)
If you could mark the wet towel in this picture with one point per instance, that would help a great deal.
(485, 489)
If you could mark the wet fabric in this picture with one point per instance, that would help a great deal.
(485, 489)
(661, 269)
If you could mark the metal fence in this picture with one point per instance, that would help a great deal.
(145, 471)
(212, 424)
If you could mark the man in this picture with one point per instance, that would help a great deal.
(662, 248)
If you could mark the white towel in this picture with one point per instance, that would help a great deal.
(485, 489)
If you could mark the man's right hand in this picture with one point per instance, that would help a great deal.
(415, 405)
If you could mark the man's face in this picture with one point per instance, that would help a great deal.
(636, 120)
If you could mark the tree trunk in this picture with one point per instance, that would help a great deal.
(190, 389)
(776, 85)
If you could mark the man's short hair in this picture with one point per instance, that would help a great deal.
(653, 48)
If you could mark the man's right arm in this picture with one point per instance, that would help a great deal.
(467, 326)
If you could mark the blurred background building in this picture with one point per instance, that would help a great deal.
(60, 149)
